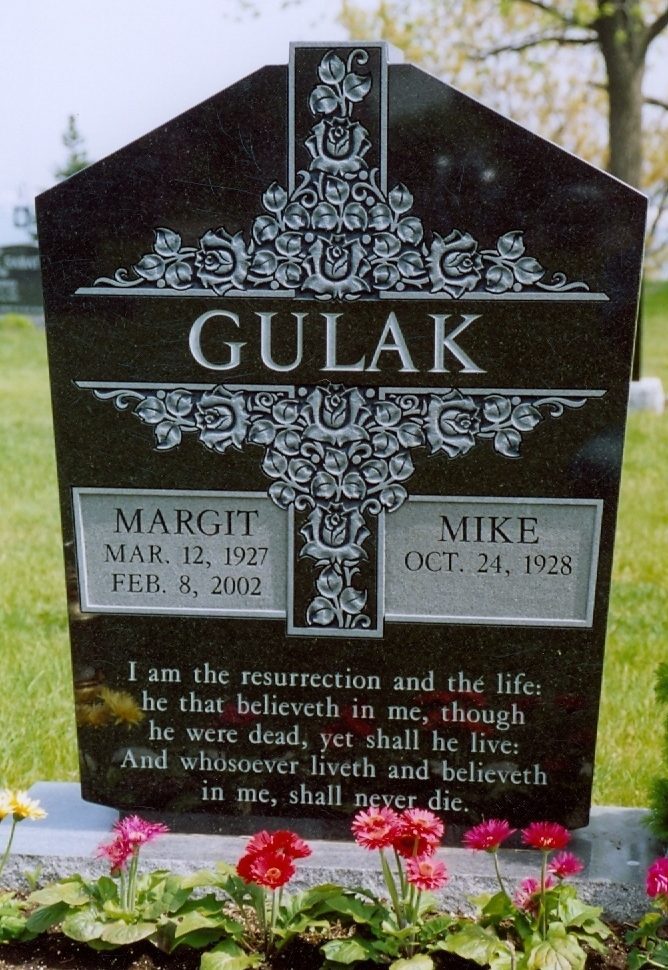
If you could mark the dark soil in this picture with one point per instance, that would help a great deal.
(53, 951)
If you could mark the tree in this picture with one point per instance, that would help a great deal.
(77, 158)
(572, 69)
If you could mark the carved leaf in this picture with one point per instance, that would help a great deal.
(150, 267)
(264, 262)
(265, 228)
(410, 264)
(323, 486)
(288, 243)
(336, 190)
(281, 494)
(380, 217)
(319, 612)
(289, 442)
(353, 600)
(167, 435)
(511, 245)
(296, 216)
(410, 230)
(354, 486)
(496, 408)
(275, 464)
(387, 413)
(386, 245)
(374, 472)
(336, 461)
(324, 216)
(329, 582)
(528, 270)
(354, 216)
(410, 435)
(508, 443)
(525, 417)
(356, 87)
(331, 69)
(393, 496)
(401, 466)
(384, 444)
(262, 432)
(151, 410)
(275, 198)
(179, 275)
(499, 278)
(300, 470)
(179, 402)
(167, 242)
(323, 100)
(400, 199)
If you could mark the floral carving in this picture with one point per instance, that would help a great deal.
(338, 235)
(339, 456)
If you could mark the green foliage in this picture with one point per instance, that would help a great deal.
(164, 913)
(649, 946)
(15, 321)
(77, 158)
(13, 919)
(505, 937)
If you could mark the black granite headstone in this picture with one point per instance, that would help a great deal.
(20, 280)
(340, 367)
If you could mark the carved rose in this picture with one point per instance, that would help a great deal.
(338, 267)
(222, 261)
(454, 263)
(338, 146)
(222, 419)
(452, 424)
(335, 534)
(335, 415)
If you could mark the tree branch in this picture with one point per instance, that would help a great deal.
(536, 41)
(553, 12)
(656, 28)
(656, 103)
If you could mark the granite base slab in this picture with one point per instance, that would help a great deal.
(616, 847)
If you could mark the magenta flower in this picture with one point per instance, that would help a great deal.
(546, 836)
(376, 828)
(657, 878)
(117, 853)
(282, 841)
(426, 873)
(488, 836)
(565, 864)
(527, 894)
(137, 831)
(419, 833)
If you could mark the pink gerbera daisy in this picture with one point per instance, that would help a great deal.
(426, 874)
(565, 864)
(419, 833)
(376, 828)
(488, 836)
(546, 836)
(657, 878)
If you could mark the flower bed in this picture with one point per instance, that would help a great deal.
(233, 917)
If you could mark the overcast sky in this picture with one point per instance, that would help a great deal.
(122, 67)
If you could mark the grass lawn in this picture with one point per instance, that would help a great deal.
(36, 708)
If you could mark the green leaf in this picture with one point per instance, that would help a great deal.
(228, 955)
(70, 891)
(421, 961)
(481, 945)
(560, 951)
(46, 916)
(120, 933)
(83, 925)
(345, 951)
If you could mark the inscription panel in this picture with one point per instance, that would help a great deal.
(180, 552)
(493, 560)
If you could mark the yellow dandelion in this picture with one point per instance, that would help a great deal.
(24, 807)
(5, 803)
(92, 715)
(123, 708)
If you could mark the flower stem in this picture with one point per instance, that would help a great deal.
(498, 872)
(8, 847)
(132, 881)
(542, 918)
(391, 887)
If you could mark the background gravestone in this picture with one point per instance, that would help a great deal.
(20, 280)
(340, 366)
